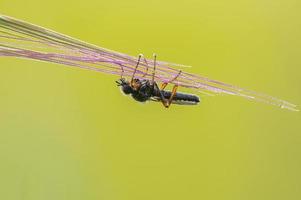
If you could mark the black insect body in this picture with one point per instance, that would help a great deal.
(144, 90)
(181, 98)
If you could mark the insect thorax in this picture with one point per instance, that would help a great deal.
(144, 92)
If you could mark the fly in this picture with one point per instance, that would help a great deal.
(143, 90)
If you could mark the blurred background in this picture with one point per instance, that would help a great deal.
(67, 133)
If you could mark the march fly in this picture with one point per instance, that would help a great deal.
(143, 90)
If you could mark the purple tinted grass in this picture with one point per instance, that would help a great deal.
(23, 40)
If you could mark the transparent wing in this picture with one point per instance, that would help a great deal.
(25, 40)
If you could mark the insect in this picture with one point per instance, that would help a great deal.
(143, 90)
(21, 39)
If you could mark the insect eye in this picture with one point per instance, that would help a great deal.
(127, 89)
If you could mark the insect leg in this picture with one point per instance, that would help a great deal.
(122, 71)
(163, 85)
(153, 76)
(173, 93)
(139, 58)
(147, 66)
(164, 101)
(162, 98)
(173, 79)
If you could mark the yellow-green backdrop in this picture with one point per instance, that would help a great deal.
(70, 134)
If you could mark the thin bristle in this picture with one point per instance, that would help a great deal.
(24, 40)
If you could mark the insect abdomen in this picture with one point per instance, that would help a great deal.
(182, 97)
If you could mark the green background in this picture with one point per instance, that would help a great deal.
(70, 134)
